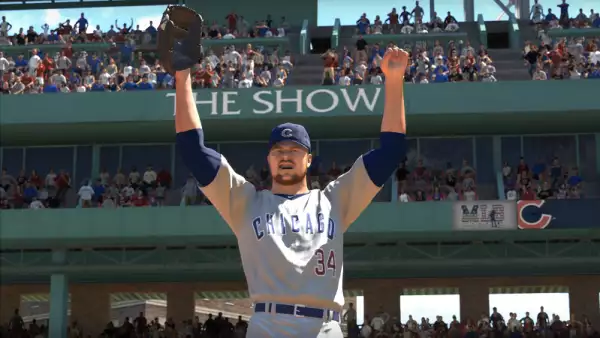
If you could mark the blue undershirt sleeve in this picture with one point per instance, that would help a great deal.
(380, 163)
(203, 162)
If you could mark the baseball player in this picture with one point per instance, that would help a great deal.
(290, 238)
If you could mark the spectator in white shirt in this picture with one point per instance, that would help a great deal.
(127, 70)
(34, 62)
(376, 79)
(469, 194)
(3, 64)
(81, 62)
(377, 323)
(266, 75)
(86, 193)
(366, 330)
(58, 79)
(104, 77)
(540, 75)
(245, 82)
(231, 55)
(345, 80)
(407, 29)
(511, 195)
(189, 192)
(36, 204)
(279, 82)
(50, 181)
(98, 32)
(403, 197)
(228, 36)
(149, 177)
(452, 195)
(144, 68)
(594, 57)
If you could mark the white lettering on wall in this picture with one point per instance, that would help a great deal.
(335, 100)
(259, 98)
(287, 101)
(174, 104)
(227, 102)
(279, 101)
(361, 96)
(214, 108)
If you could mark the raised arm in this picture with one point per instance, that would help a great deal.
(354, 190)
(226, 190)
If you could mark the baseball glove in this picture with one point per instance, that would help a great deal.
(179, 38)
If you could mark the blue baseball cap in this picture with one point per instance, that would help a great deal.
(290, 132)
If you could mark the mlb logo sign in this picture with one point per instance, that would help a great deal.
(483, 215)
(479, 213)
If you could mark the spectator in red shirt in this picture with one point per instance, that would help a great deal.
(164, 178)
(63, 183)
(527, 193)
(522, 169)
(35, 179)
(139, 200)
(68, 50)
(232, 21)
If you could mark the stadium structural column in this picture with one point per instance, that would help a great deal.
(59, 306)
(95, 162)
(597, 137)
(382, 297)
(469, 8)
(523, 7)
(474, 299)
(91, 308)
(584, 299)
(181, 303)
(10, 299)
(431, 10)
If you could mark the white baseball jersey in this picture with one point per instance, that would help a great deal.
(292, 246)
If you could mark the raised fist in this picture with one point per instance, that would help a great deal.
(394, 64)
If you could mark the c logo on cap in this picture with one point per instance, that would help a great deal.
(287, 133)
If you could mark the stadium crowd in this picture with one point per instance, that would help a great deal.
(379, 325)
(59, 62)
(462, 63)
(543, 181)
(573, 59)
(454, 62)
(562, 58)
(429, 176)
(400, 22)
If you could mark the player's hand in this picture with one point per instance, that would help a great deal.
(394, 64)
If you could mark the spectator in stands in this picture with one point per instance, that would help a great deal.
(86, 194)
(564, 13)
(450, 23)
(392, 20)
(69, 71)
(537, 12)
(363, 25)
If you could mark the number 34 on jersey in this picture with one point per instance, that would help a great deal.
(325, 262)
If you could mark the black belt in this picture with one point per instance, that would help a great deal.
(297, 310)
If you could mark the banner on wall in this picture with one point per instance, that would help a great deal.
(558, 214)
(485, 215)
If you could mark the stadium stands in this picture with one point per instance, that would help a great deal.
(64, 60)
(67, 60)
(435, 169)
(382, 324)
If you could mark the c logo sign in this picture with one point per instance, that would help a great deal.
(530, 216)
(287, 133)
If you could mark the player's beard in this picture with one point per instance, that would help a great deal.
(290, 179)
